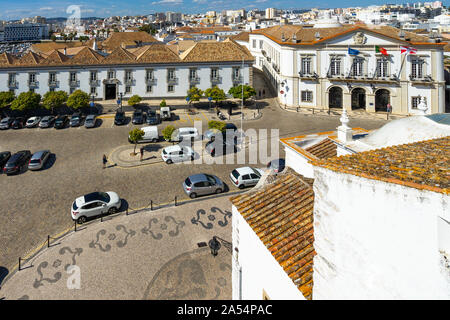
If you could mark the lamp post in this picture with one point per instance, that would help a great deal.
(242, 104)
(214, 245)
(92, 102)
(121, 95)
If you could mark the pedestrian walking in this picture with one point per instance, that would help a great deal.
(142, 153)
(388, 108)
(105, 161)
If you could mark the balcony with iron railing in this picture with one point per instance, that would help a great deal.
(33, 83)
(216, 80)
(74, 83)
(94, 82)
(194, 80)
(237, 79)
(129, 81)
(172, 81)
(150, 81)
(53, 83)
(12, 84)
(308, 75)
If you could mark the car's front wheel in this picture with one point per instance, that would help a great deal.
(241, 186)
(81, 220)
(112, 210)
(193, 195)
(219, 191)
(169, 161)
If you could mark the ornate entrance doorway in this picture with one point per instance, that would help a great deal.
(382, 98)
(110, 92)
(358, 99)
(335, 98)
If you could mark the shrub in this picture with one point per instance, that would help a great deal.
(163, 103)
(216, 94)
(78, 99)
(26, 101)
(218, 125)
(236, 92)
(135, 135)
(134, 100)
(6, 97)
(54, 99)
(167, 132)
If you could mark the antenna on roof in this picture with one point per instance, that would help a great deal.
(283, 39)
(317, 35)
(401, 34)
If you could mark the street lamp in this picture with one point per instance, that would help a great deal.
(214, 245)
(120, 100)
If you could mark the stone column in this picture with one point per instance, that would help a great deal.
(347, 101)
(370, 102)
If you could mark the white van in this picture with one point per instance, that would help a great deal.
(150, 134)
(185, 134)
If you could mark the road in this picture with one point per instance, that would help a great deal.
(36, 204)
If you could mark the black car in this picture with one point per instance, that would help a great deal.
(277, 165)
(220, 147)
(60, 122)
(4, 157)
(119, 118)
(18, 123)
(153, 118)
(138, 117)
(17, 162)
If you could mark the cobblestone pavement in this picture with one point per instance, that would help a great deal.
(36, 204)
(147, 255)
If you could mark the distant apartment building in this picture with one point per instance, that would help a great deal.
(25, 32)
(174, 17)
(271, 13)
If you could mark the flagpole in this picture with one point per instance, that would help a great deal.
(401, 66)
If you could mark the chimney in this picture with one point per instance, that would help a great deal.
(94, 45)
(283, 39)
(401, 34)
(317, 35)
(345, 133)
(65, 51)
(294, 38)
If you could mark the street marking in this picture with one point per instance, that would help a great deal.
(190, 119)
(204, 115)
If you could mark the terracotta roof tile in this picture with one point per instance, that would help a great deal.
(55, 57)
(157, 53)
(281, 214)
(323, 150)
(85, 57)
(118, 56)
(117, 38)
(30, 59)
(421, 165)
(216, 51)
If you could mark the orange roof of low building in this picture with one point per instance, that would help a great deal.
(281, 215)
(117, 38)
(227, 50)
(422, 165)
(323, 150)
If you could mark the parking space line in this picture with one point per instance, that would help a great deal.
(204, 115)
(190, 119)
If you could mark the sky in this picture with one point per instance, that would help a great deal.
(10, 10)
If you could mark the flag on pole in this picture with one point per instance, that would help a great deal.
(353, 51)
(408, 50)
(381, 50)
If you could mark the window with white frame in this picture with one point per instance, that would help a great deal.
(111, 74)
(236, 73)
(192, 74)
(415, 102)
(127, 89)
(335, 66)
(254, 43)
(149, 89)
(306, 65)
(417, 67)
(11, 79)
(306, 96)
(32, 77)
(382, 70)
(52, 77)
(358, 67)
(93, 90)
(149, 74)
(170, 88)
(214, 73)
(261, 43)
(93, 75)
(128, 75)
(171, 74)
(73, 76)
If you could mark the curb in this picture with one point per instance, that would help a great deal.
(33, 253)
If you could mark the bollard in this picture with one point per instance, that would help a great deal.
(19, 262)
(48, 241)
(75, 225)
(313, 110)
(101, 217)
(175, 201)
(127, 211)
(297, 109)
(151, 205)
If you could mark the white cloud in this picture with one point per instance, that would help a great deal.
(168, 2)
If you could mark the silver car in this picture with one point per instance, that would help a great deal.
(32, 122)
(94, 204)
(46, 121)
(177, 153)
(202, 184)
(90, 121)
(38, 160)
(6, 123)
(245, 176)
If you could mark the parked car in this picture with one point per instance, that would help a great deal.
(220, 147)
(6, 123)
(46, 122)
(138, 117)
(245, 176)
(75, 120)
(17, 162)
(90, 121)
(184, 134)
(150, 135)
(32, 122)
(18, 123)
(166, 114)
(4, 157)
(153, 118)
(61, 122)
(177, 153)
(202, 184)
(94, 204)
(38, 160)
(212, 133)
(276, 165)
(119, 118)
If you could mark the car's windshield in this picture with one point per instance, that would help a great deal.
(235, 174)
(188, 182)
(211, 179)
(74, 206)
(256, 172)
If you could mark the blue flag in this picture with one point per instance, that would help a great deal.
(353, 51)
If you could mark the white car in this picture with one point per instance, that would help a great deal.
(94, 204)
(177, 153)
(245, 176)
(185, 134)
(32, 122)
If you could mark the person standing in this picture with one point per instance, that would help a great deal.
(142, 153)
(105, 161)
(388, 108)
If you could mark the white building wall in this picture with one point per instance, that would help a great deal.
(259, 269)
(376, 240)
(298, 163)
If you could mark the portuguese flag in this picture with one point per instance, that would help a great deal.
(381, 50)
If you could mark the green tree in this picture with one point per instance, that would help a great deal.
(26, 101)
(236, 92)
(147, 28)
(135, 135)
(163, 103)
(194, 94)
(78, 99)
(6, 97)
(53, 37)
(217, 125)
(134, 100)
(216, 94)
(167, 132)
(54, 99)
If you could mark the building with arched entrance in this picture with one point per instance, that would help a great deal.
(310, 67)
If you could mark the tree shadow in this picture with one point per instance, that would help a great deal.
(3, 273)
(50, 162)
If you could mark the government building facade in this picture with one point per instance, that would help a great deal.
(351, 66)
